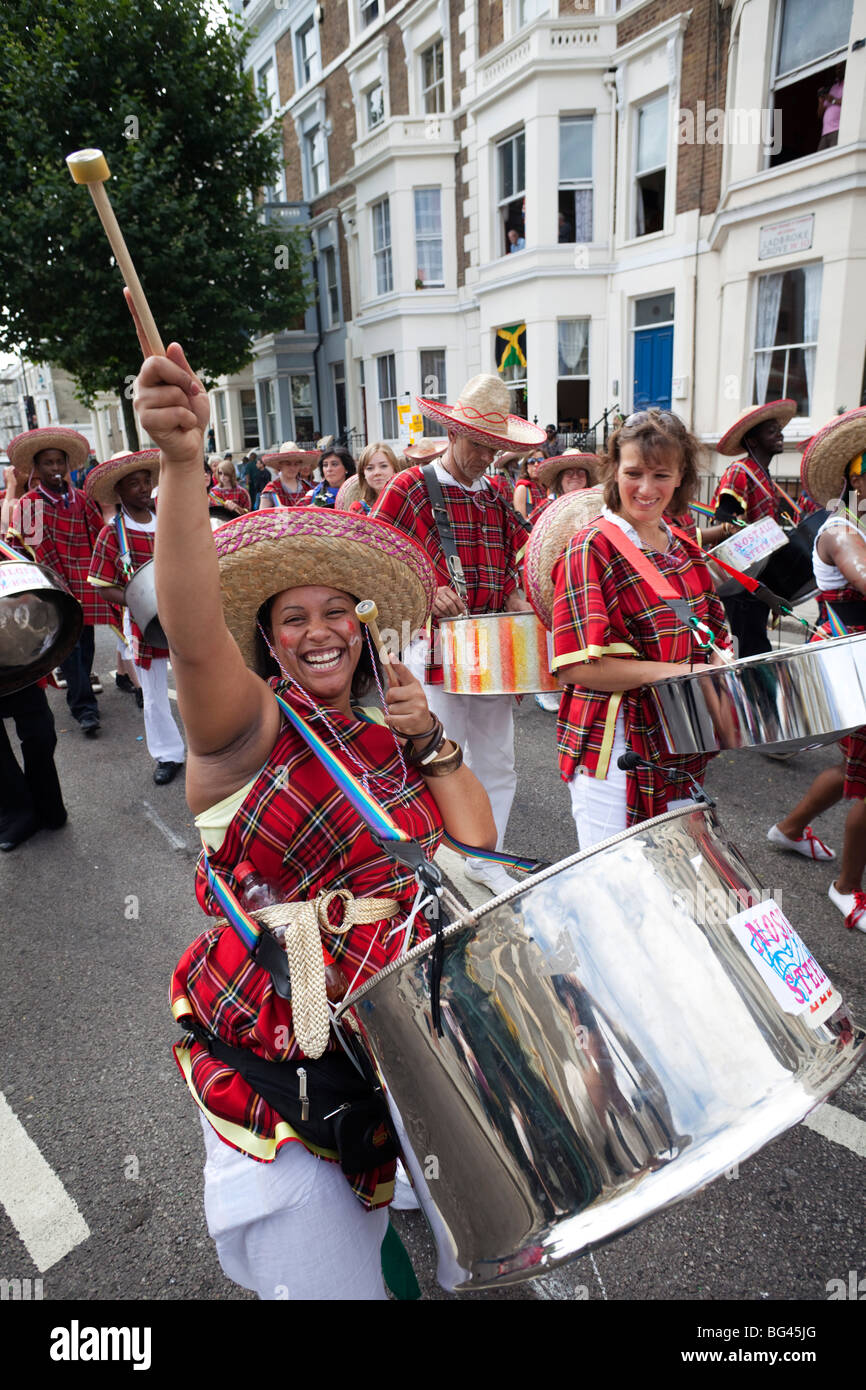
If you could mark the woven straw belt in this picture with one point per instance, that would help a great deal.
(303, 946)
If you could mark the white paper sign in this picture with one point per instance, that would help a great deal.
(14, 577)
(780, 238)
(784, 962)
(756, 542)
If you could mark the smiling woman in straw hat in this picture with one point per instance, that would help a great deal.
(276, 591)
(612, 634)
(288, 489)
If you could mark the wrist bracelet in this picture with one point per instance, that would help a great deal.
(416, 756)
(443, 766)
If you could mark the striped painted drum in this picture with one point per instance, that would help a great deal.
(495, 654)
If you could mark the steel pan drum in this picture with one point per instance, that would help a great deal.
(615, 1036)
(40, 623)
(748, 551)
(141, 589)
(800, 697)
(495, 654)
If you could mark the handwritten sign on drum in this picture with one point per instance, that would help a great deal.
(784, 962)
(16, 577)
(755, 542)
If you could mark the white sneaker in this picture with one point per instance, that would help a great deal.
(808, 844)
(851, 905)
(491, 874)
(548, 701)
(404, 1192)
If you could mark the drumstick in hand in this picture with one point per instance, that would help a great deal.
(91, 167)
(367, 611)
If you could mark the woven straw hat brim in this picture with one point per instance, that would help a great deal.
(24, 447)
(347, 493)
(828, 453)
(424, 450)
(547, 472)
(732, 440)
(292, 456)
(518, 434)
(561, 520)
(263, 553)
(102, 480)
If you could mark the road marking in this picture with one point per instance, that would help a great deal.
(839, 1126)
(172, 694)
(156, 819)
(38, 1205)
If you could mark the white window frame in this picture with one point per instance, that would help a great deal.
(369, 123)
(382, 252)
(297, 376)
(431, 427)
(310, 165)
(657, 98)
(502, 202)
(332, 288)
(269, 412)
(267, 93)
(526, 12)
(365, 18)
(787, 348)
(578, 185)
(314, 59)
(438, 85)
(428, 238)
(388, 403)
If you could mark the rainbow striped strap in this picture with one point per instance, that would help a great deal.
(837, 627)
(7, 553)
(246, 926)
(123, 543)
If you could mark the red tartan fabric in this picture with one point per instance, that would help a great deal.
(286, 499)
(755, 494)
(536, 496)
(489, 536)
(230, 494)
(361, 507)
(602, 607)
(68, 535)
(301, 833)
(686, 523)
(106, 567)
(501, 484)
(854, 746)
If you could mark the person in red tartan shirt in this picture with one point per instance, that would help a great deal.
(58, 525)
(289, 489)
(530, 494)
(227, 491)
(490, 538)
(122, 547)
(832, 468)
(612, 635)
(238, 606)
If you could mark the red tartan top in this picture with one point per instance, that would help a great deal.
(490, 539)
(230, 494)
(106, 568)
(686, 523)
(67, 535)
(301, 834)
(602, 607)
(536, 496)
(746, 484)
(501, 484)
(285, 499)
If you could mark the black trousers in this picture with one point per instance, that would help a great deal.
(747, 617)
(76, 670)
(35, 791)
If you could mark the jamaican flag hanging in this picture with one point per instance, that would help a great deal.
(511, 347)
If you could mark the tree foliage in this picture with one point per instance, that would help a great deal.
(164, 96)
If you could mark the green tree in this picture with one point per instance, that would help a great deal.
(159, 87)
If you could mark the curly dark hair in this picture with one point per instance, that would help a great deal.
(337, 452)
(363, 681)
(658, 434)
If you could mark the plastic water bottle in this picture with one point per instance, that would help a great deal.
(256, 891)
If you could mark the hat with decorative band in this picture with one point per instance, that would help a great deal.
(554, 529)
(731, 441)
(263, 553)
(290, 452)
(425, 450)
(549, 471)
(24, 447)
(102, 480)
(482, 414)
(829, 452)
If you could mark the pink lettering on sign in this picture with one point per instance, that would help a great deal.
(769, 934)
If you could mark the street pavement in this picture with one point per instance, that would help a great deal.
(106, 1143)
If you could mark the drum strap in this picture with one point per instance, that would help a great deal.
(762, 483)
(442, 521)
(123, 544)
(660, 585)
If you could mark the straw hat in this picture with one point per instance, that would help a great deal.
(561, 520)
(24, 447)
(549, 471)
(828, 453)
(290, 452)
(425, 450)
(482, 414)
(732, 440)
(347, 493)
(263, 553)
(102, 480)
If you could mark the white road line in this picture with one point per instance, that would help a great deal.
(172, 694)
(38, 1205)
(839, 1126)
(156, 819)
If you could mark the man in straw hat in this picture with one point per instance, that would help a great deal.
(59, 525)
(122, 547)
(746, 492)
(833, 469)
(489, 541)
(265, 608)
(288, 489)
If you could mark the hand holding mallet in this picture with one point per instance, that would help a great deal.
(367, 611)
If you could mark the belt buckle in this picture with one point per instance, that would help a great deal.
(323, 902)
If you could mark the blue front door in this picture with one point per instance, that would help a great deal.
(653, 367)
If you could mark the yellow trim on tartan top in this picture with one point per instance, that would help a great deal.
(102, 583)
(736, 496)
(613, 705)
(593, 653)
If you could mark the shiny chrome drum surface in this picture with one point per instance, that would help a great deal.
(617, 1033)
(141, 601)
(800, 697)
(40, 623)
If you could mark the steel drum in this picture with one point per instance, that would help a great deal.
(141, 589)
(617, 1032)
(40, 623)
(495, 654)
(748, 551)
(796, 698)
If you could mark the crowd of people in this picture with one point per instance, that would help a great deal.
(282, 691)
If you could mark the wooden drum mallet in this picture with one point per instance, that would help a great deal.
(91, 167)
(367, 611)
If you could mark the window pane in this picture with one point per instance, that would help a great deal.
(575, 149)
(809, 31)
(574, 347)
(428, 213)
(520, 160)
(658, 309)
(652, 134)
(506, 171)
(375, 105)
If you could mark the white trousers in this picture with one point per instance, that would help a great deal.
(291, 1229)
(598, 804)
(483, 725)
(162, 735)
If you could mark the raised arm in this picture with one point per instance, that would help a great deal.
(845, 547)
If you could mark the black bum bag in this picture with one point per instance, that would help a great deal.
(345, 1112)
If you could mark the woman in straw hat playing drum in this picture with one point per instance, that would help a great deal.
(834, 472)
(612, 635)
(267, 606)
